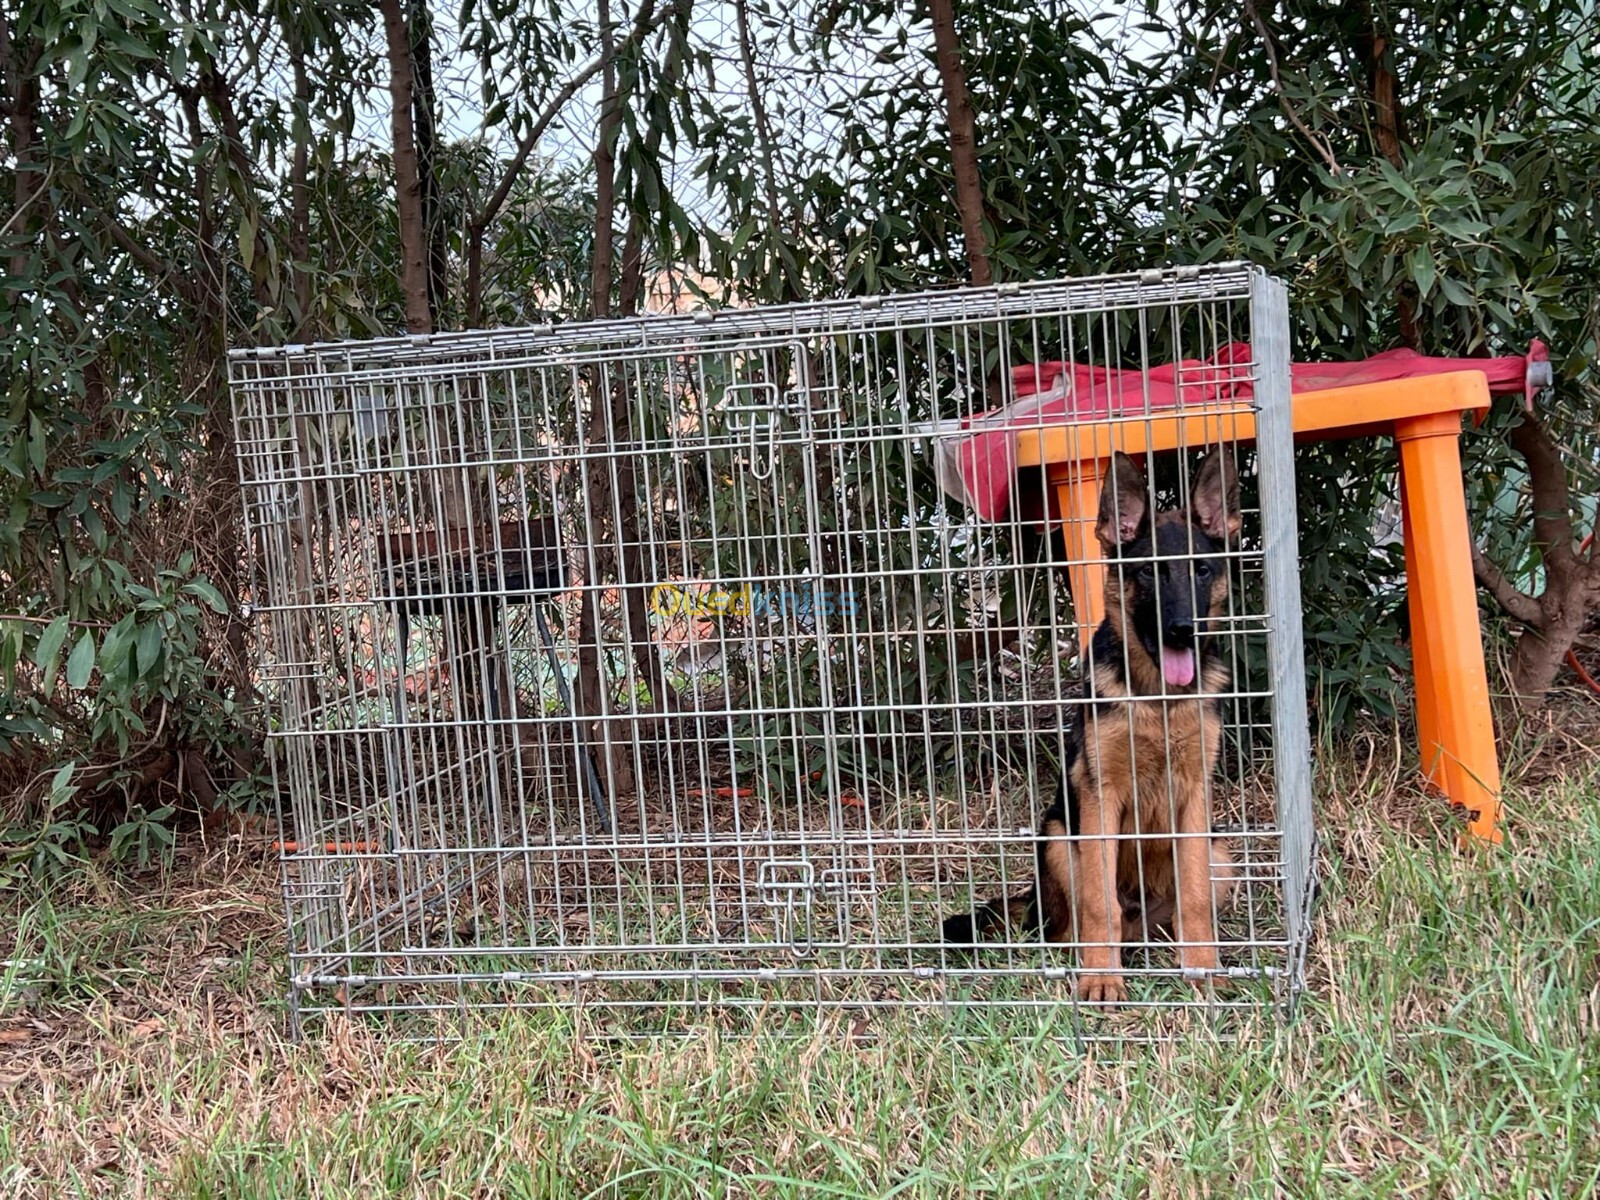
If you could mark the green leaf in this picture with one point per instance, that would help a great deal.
(1461, 228)
(36, 444)
(1420, 261)
(1456, 293)
(1398, 182)
(61, 788)
(80, 665)
(49, 647)
(114, 647)
(147, 649)
(205, 591)
(247, 238)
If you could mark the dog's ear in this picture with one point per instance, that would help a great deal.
(1214, 498)
(1124, 503)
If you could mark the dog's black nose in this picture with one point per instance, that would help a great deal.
(1181, 634)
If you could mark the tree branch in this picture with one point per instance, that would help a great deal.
(1318, 143)
(299, 170)
(1547, 479)
(741, 10)
(552, 110)
(479, 222)
(1517, 604)
(47, 620)
(147, 258)
(220, 92)
(631, 285)
(605, 158)
(963, 140)
(210, 289)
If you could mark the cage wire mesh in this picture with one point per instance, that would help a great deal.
(717, 659)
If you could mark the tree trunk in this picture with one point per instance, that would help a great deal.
(423, 109)
(590, 695)
(474, 305)
(963, 140)
(1385, 89)
(1555, 618)
(299, 187)
(634, 596)
(407, 179)
(603, 270)
(224, 501)
(1372, 45)
(225, 510)
(1569, 580)
(1540, 651)
(1385, 102)
(19, 65)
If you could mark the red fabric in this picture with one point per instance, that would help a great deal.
(980, 469)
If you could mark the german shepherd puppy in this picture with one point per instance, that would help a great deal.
(1141, 754)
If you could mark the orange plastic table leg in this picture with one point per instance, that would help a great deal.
(1421, 659)
(1078, 494)
(1443, 588)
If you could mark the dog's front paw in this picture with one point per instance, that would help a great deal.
(1202, 969)
(1102, 989)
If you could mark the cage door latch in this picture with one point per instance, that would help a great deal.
(788, 887)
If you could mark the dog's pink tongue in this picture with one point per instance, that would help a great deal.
(1177, 665)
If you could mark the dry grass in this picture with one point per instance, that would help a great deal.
(1447, 1048)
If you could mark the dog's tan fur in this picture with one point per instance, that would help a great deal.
(1145, 860)
(1141, 778)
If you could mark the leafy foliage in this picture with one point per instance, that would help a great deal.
(183, 178)
(1460, 221)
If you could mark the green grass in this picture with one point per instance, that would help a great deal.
(1447, 1046)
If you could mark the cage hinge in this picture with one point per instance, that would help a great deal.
(1200, 974)
(307, 982)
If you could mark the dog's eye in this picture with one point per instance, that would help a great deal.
(1203, 571)
(1148, 571)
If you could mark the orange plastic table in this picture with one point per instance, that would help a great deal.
(1454, 724)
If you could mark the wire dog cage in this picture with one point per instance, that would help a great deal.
(719, 660)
